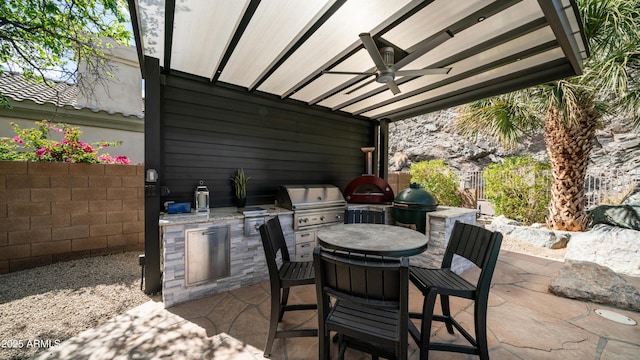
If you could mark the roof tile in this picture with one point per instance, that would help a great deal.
(18, 88)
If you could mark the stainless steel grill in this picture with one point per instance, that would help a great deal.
(312, 205)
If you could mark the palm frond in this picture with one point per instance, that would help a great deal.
(611, 27)
(631, 106)
(505, 118)
(608, 24)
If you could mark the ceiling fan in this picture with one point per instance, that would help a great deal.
(386, 69)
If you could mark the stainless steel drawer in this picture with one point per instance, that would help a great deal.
(304, 251)
(252, 225)
(305, 242)
(306, 236)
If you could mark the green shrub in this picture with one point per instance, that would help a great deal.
(519, 188)
(34, 144)
(438, 179)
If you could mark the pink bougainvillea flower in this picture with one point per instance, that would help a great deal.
(68, 149)
(86, 147)
(122, 160)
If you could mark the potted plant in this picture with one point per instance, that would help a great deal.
(240, 186)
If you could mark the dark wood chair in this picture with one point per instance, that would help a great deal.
(282, 278)
(370, 303)
(480, 246)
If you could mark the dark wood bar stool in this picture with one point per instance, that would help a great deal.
(282, 278)
(480, 246)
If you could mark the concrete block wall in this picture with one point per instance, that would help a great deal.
(52, 212)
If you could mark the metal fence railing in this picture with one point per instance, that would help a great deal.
(609, 187)
(473, 180)
(600, 187)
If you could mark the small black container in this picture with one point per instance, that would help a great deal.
(411, 206)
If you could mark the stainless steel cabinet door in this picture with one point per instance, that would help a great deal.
(207, 254)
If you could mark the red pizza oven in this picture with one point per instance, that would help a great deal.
(368, 188)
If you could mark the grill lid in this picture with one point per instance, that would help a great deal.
(302, 197)
(416, 198)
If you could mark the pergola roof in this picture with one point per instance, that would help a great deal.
(283, 47)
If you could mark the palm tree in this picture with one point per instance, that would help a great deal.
(571, 110)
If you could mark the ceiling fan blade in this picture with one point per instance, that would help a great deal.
(423, 47)
(347, 72)
(360, 87)
(393, 87)
(430, 71)
(372, 48)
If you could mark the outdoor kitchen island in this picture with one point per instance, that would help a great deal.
(189, 272)
(230, 255)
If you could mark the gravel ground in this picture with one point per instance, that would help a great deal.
(44, 306)
(520, 246)
(47, 305)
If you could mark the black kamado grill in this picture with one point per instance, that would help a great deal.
(411, 206)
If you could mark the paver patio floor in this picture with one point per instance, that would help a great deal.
(525, 321)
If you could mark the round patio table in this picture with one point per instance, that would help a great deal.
(373, 239)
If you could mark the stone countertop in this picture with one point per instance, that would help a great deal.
(373, 239)
(447, 211)
(216, 214)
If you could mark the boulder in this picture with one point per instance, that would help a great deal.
(592, 282)
(552, 239)
(614, 247)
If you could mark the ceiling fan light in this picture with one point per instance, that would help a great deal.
(385, 76)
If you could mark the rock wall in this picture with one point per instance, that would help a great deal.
(433, 136)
